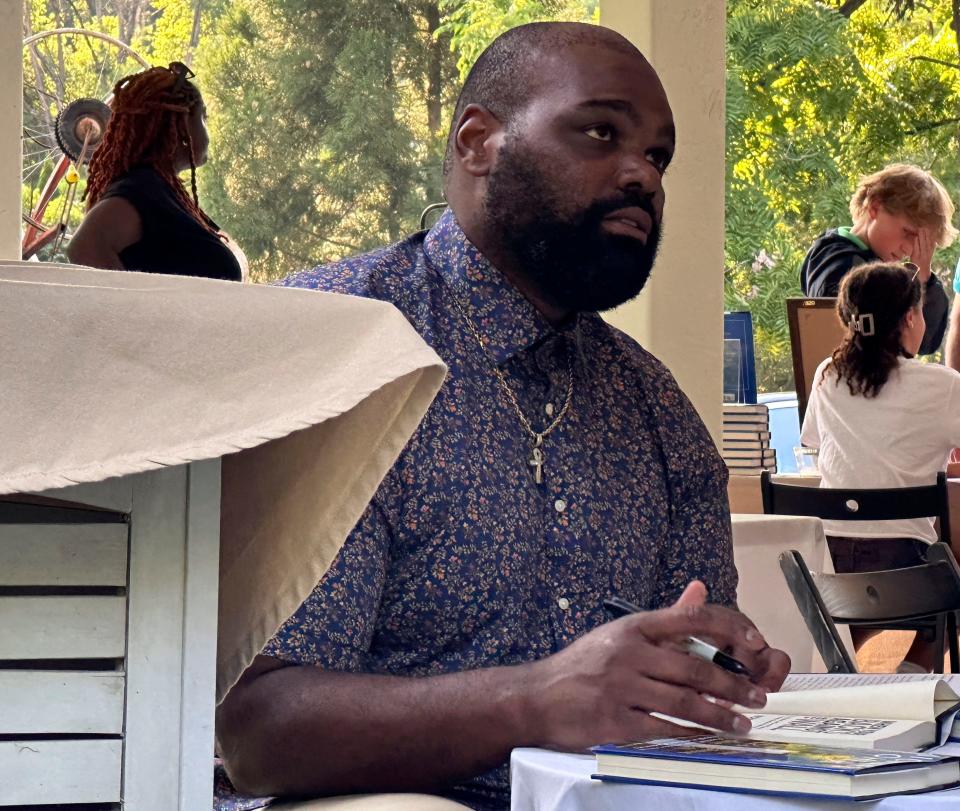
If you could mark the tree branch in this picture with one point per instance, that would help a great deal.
(932, 125)
(850, 6)
(936, 61)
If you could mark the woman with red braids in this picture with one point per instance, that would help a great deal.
(140, 216)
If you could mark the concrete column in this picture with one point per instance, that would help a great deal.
(679, 316)
(11, 117)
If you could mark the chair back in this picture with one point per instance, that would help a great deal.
(815, 331)
(852, 504)
(815, 614)
(880, 598)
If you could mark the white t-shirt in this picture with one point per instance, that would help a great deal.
(900, 438)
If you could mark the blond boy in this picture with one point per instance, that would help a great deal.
(900, 212)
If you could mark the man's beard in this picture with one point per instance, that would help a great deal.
(570, 259)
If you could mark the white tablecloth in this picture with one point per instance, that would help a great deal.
(552, 781)
(763, 595)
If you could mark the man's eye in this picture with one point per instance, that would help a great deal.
(660, 158)
(601, 132)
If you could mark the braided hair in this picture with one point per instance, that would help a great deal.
(148, 125)
(872, 303)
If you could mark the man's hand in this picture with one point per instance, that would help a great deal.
(922, 255)
(772, 665)
(604, 686)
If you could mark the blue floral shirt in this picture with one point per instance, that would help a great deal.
(462, 560)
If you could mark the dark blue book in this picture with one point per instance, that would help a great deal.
(784, 769)
(738, 327)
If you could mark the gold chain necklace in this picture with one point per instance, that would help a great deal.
(537, 457)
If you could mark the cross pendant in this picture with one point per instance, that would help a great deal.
(536, 459)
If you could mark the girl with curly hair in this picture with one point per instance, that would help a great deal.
(140, 216)
(880, 418)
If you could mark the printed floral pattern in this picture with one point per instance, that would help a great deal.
(461, 561)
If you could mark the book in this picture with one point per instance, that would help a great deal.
(756, 454)
(746, 467)
(883, 712)
(738, 326)
(902, 712)
(731, 370)
(950, 723)
(745, 408)
(753, 469)
(737, 420)
(744, 434)
(761, 767)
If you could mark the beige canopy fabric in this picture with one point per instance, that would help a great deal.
(309, 397)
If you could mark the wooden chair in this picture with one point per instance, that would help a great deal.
(891, 598)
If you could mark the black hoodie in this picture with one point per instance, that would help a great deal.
(833, 255)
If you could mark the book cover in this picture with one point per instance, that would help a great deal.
(738, 326)
(766, 754)
(731, 370)
(738, 765)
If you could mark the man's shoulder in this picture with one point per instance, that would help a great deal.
(633, 355)
(829, 259)
(834, 245)
(386, 273)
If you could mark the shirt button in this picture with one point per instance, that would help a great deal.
(549, 409)
(563, 603)
(559, 505)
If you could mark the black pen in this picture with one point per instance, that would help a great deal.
(618, 607)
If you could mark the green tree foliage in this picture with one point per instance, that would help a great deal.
(474, 24)
(324, 118)
(328, 121)
(815, 100)
(59, 69)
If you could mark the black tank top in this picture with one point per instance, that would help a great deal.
(171, 241)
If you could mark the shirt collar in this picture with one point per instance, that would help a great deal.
(503, 316)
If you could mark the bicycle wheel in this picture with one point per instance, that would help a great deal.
(68, 80)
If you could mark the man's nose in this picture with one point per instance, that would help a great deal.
(637, 172)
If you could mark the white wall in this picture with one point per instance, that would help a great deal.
(11, 82)
(679, 316)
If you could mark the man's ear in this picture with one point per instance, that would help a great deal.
(873, 209)
(478, 138)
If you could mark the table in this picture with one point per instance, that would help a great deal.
(763, 595)
(182, 460)
(554, 781)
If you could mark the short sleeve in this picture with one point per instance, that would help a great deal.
(699, 544)
(335, 625)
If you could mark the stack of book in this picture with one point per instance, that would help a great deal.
(746, 439)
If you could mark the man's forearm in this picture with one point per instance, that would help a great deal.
(333, 733)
